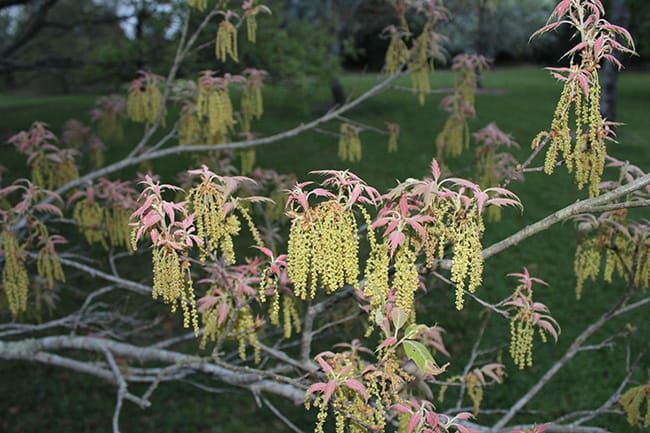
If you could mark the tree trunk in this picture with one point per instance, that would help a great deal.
(619, 15)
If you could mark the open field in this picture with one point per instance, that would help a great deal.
(31, 394)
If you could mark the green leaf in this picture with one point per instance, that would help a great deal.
(418, 353)
(413, 329)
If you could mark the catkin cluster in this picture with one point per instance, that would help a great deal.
(290, 318)
(90, 216)
(245, 331)
(173, 283)
(397, 54)
(624, 248)
(247, 158)
(251, 28)
(118, 231)
(631, 402)
(322, 250)
(144, 103)
(583, 152)
(214, 104)
(213, 224)
(349, 143)
(48, 266)
(454, 137)
(406, 279)
(252, 103)
(14, 274)
(467, 260)
(376, 285)
(586, 263)
(53, 171)
(190, 130)
(226, 44)
(421, 65)
(393, 137)
(521, 339)
(474, 391)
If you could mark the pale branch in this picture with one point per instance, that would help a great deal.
(310, 316)
(282, 417)
(363, 126)
(133, 286)
(121, 389)
(32, 350)
(616, 396)
(624, 205)
(472, 359)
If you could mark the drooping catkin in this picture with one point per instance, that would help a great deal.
(226, 44)
(396, 55)
(212, 223)
(14, 274)
(322, 250)
(173, 283)
(584, 151)
(406, 279)
(349, 143)
(48, 266)
(393, 136)
(89, 215)
(144, 103)
(467, 260)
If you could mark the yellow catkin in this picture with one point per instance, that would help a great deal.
(252, 102)
(173, 283)
(49, 267)
(291, 319)
(245, 331)
(212, 224)
(14, 274)
(51, 175)
(247, 158)
(190, 130)
(251, 226)
(89, 215)
(586, 264)
(117, 227)
(585, 151)
(322, 250)
(396, 55)
(393, 137)
(406, 279)
(454, 137)
(632, 400)
(474, 391)
(144, 104)
(349, 143)
(215, 105)
(521, 340)
(420, 66)
(467, 260)
(226, 44)
(251, 28)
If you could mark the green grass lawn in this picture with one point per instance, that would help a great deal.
(36, 398)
